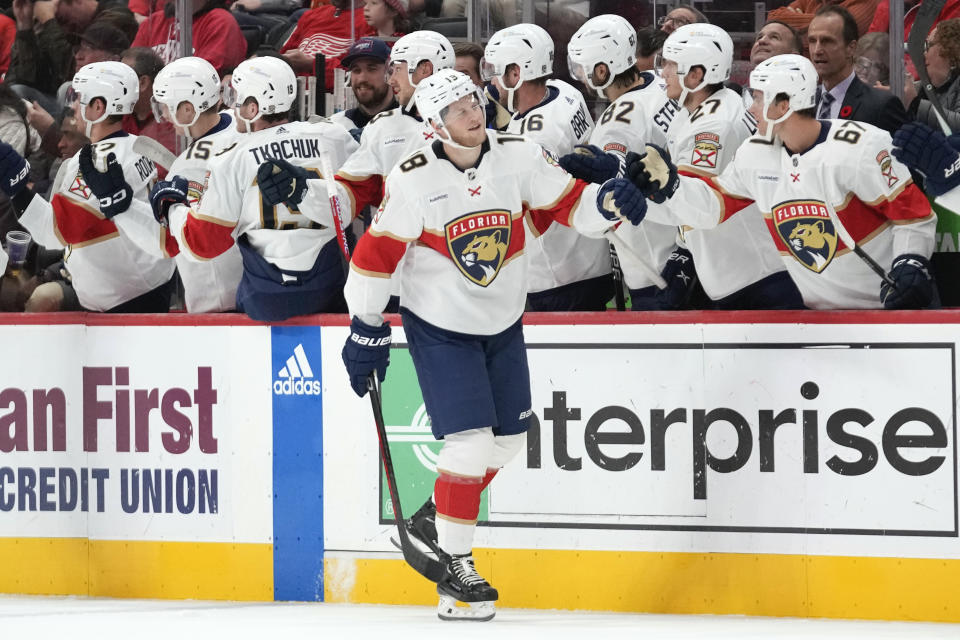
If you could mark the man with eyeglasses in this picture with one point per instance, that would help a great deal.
(679, 16)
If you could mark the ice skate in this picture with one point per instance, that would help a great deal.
(422, 529)
(463, 585)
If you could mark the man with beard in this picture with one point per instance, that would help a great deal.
(367, 62)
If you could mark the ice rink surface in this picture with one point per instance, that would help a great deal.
(107, 619)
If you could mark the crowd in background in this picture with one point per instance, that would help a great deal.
(44, 42)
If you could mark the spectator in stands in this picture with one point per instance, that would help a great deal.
(8, 33)
(216, 35)
(799, 13)
(773, 39)
(142, 121)
(649, 43)
(16, 131)
(367, 62)
(881, 18)
(325, 30)
(42, 56)
(143, 8)
(100, 41)
(832, 37)
(682, 14)
(467, 56)
(873, 51)
(942, 59)
(387, 17)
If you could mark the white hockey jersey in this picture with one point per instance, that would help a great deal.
(638, 117)
(465, 269)
(734, 255)
(390, 136)
(560, 255)
(851, 168)
(107, 267)
(208, 285)
(231, 204)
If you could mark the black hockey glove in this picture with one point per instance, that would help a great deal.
(165, 194)
(653, 173)
(14, 170)
(111, 188)
(367, 350)
(914, 284)
(281, 182)
(619, 200)
(681, 278)
(591, 164)
(929, 152)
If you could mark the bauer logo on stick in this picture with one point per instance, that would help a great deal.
(805, 227)
(478, 244)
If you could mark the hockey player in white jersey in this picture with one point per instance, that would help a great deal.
(602, 55)
(186, 93)
(105, 181)
(568, 271)
(457, 209)
(393, 134)
(284, 230)
(815, 181)
(737, 265)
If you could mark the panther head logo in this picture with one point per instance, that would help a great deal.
(479, 244)
(813, 244)
(487, 253)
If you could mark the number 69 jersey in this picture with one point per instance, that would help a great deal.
(465, 269)
(850, 168)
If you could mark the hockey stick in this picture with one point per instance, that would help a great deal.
(423, 564)
(927, 14)
(617, 273)
(648, 271)
(850, 242)
(327, 168)
(153, 150)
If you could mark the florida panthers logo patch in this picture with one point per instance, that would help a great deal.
(194, 193)
(805, 227)
(79, 187)
(706, 147)
(886, 168)
(478, 244)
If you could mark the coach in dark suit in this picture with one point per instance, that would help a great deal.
(832, 37)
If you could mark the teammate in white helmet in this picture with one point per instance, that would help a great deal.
(568, 271)
(457, 209)
(105, 181)
(186, 93)
(291, 261)
(393, 134)
(602, 55)
(737, 265)
(816, 182)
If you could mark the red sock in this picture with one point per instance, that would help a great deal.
(458, 498)
(488, 478)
